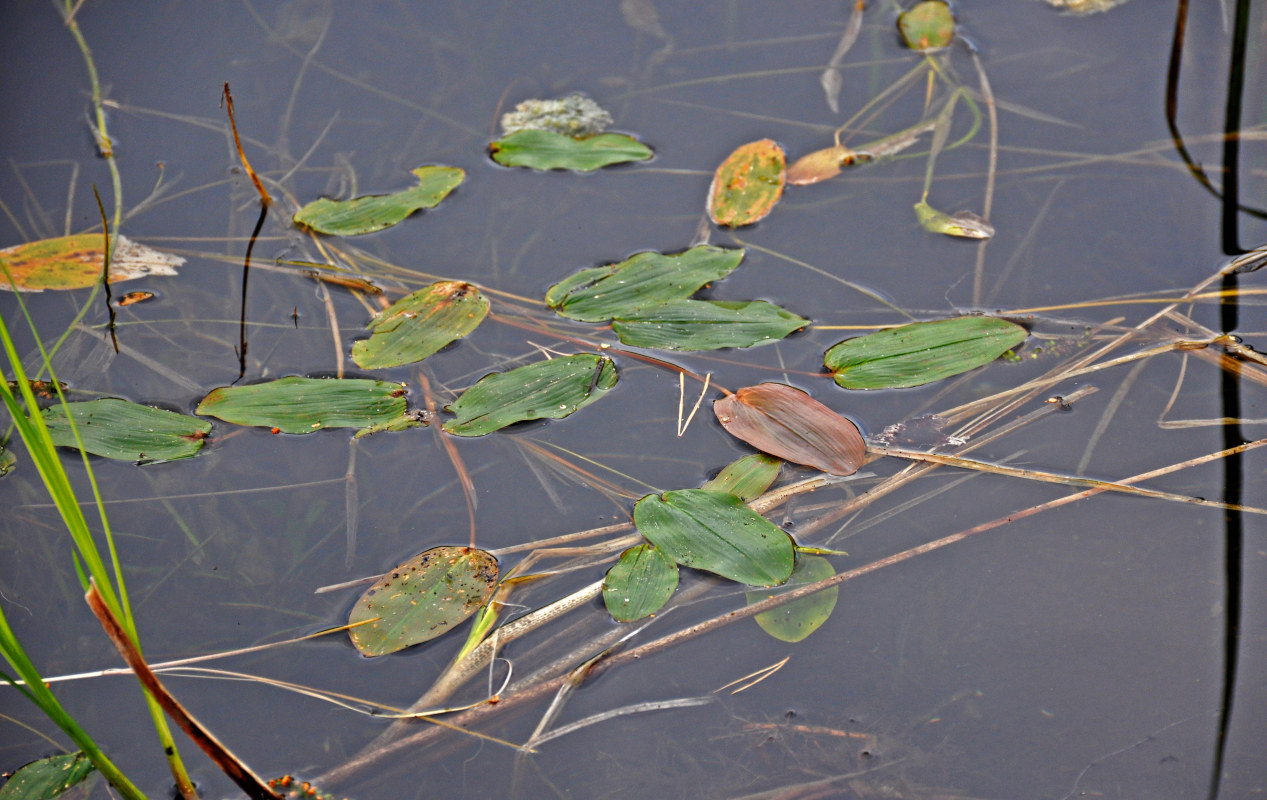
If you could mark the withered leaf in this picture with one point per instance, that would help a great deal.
(786, 422)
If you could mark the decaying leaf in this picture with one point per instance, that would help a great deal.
(575, 115)
(748, 184)
(75, 262)
(820, 165)
(786, 422)
(964, 224)
(927, 26)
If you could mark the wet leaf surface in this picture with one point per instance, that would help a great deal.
(546, 150)
(304, 405)
(422, 599)
(706, 325)
(75, 262)
(964, 224)
(748, 477)
(420, 324)
(927, 26)
(796, 620)
(550, 389)
(639, 584)
(820, 165)
(378, 211)
(786, 422)
(747, 185)
(127, 431)
(716, 532)
(921, 352)
(48, 777)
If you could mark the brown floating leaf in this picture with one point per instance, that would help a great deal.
(786, 422)
(820, 165)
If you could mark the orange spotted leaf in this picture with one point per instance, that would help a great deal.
(747, 184)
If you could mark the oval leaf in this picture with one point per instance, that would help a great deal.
(420, 324)
(820, 165)
(546, 390)
(921, 352)
(647, 279)
(304, 405)
(127, 431)
(786, 422)
(639, 584)
(747, 184)
(706, 325)
(796, 620)
(927, 26)
(716, 532)
(538, 149)
(964, 224)
(75, 262)
(748, 477)
(48, 777)
(378, 211)
(422, 598)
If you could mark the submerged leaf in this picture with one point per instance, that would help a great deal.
(964, 224)
(75, 262)
(420, 324)
(747, 184)
(304, 405)
(422, 598)
(792, 622)
(378, 211)
(786, 422)
(716, 532)
(543, 150)
(921, 352)
(639, 584)
(646, 279)
(550, 389)
(115, 428)
(748, 477)
(706, 325)
(48, 777)
(927, 26)
(820, 165)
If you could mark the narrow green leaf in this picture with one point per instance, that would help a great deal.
(748, 184)
(128, 431)
(647, 279)
(421, 599)
(796, 620)
(378, 211)
(706, 325)
(746, 478)
(921, 352)
(304, 405)
(716, 532)
(639, 584)
(420, 324)
(48, 777)
(546, 390)
(543, 150)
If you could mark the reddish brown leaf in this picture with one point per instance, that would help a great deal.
(786, 422)
(820, 165)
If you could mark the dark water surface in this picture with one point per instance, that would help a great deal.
(1080, 652)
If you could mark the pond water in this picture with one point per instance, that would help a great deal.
(1079, 652)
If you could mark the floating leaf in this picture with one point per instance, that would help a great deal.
(820, 165)
(304, 405)
(48, 777)
(128, 431)
(786, 422)
(550, 389)
(964, 224)
(75, 262)
(378, 211)
(747, 184)
(544, 150)
(747, 478)
(647, 279)
(927, 26)
(796, 620)
(921, 352)
(716, 532)
(574, 115)
(639, 584)
(706, 325)
(419, 324)
(423, 598)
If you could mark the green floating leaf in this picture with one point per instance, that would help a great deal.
(75, 262)
(422, 598)
(747, 184)
(716, 532)
(706, 325)
(921, 352)
(48, 777)
(647, 279)
(538, 149)
(128, 431)
(796, 620)
(927, 26)
(304, 405)
(550, 389)
(963, 224)
(420, 324)
(639, 584)
(746, 478)
(378, 211)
